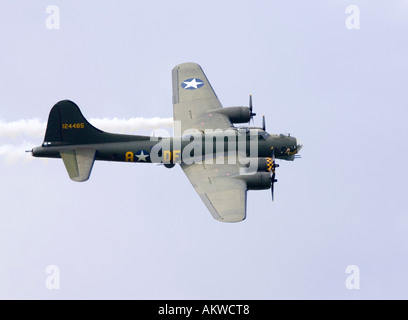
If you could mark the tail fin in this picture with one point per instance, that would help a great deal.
(67, 125)
(76, 139)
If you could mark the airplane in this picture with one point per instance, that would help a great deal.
(222, 161)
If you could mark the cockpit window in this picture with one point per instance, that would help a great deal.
(254, 132)
(263, 135)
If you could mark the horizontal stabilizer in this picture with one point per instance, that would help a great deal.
(79, 163)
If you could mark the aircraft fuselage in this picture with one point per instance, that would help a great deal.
(144, 149)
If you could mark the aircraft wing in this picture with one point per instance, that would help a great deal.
(218, 185)
(193, 97)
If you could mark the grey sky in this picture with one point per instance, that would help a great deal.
(141, 231)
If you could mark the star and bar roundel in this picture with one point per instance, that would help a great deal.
(192, 84)
(142, 155)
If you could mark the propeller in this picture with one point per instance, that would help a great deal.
(263, 123)
(251, 114)
(273, 172)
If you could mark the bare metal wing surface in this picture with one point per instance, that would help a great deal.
(220, 188)
(196, 106)
(195, 103)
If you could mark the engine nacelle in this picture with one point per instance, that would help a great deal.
(257, 181)
(169, 165)
(235, 114)
(263, 165)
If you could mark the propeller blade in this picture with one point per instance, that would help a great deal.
(273, 174)
(274, 164)
(251, 114)
(272, 184)
(272, 191)
(263, 123)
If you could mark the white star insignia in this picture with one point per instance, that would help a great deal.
(142, 156)
(192, 84)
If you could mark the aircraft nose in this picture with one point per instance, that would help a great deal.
(299, 144)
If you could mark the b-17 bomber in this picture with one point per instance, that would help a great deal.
(222, 161)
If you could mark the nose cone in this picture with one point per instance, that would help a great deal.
(299, 144)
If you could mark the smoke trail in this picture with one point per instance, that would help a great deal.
(11, 154)
(35, 128)
(31, 127)
(130, 125)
